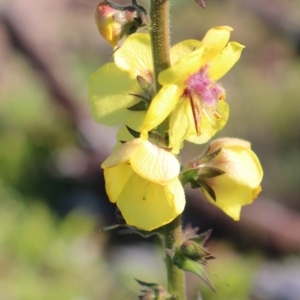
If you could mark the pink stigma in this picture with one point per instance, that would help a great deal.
(199, 84)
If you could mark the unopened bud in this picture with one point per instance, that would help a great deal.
(116, 22)
(194, 251)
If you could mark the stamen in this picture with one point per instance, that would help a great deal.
(204, 94)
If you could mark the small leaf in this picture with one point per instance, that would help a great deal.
(142, 233)
(146, 284)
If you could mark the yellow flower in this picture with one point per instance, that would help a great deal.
(116, 87)
(239, 185)
(142, 179)
(190, 91)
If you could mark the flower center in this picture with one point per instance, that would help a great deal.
(207, 90)
(204, 95)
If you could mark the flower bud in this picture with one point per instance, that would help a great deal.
(116, 22)
(193, 250)
(237, 181)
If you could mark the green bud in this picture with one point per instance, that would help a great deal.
(191, 266)
(192, 250)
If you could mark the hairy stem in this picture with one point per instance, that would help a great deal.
(176, 277)
(160, 40)
(160, 37)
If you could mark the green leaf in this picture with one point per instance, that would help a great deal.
(147, 284)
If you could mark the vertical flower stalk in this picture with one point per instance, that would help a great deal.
(160, 39)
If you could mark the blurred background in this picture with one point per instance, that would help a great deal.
(52, 198)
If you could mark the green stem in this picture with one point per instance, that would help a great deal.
(160, 37)
(160, 40)
(176, 277)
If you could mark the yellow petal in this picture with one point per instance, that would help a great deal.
(134, 123)
(234, 212)
(215, 40)
(148, 205)
(107, 26)
(181, 123)
(115, 180)
(240, 184)
(160, 107)
(241, 166)
(210, 125)
(229, 194)
(122, 154)
(223, 62)
(228, 143)
(182, 49)
(135, 56)
(183, 68)
(108, 101)
(155, 164)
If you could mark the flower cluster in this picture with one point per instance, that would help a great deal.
(143, 174)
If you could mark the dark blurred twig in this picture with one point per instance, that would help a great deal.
(42, 62)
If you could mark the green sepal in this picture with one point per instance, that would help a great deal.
(208, 157)
(202, 238)
(191, 249)
(189, 176)
(209, 172)
(159, 140)
(134, 133)
(208, 189)
(143, 105)
(145, 85)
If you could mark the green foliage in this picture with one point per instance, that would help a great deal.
(42, 257)
(232, 275)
